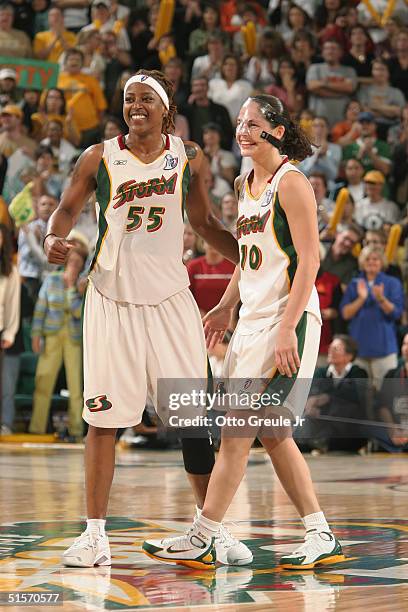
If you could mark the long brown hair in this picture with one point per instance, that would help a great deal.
(168, 126)
(6, 251)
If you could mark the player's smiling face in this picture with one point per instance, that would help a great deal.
(142, 108)
(250, 125)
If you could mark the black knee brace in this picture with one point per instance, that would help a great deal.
(198, 455)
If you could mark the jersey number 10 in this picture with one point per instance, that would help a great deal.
(154, 218)
(253, 256)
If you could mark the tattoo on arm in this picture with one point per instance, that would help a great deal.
(191, 151)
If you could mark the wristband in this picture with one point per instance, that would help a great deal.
(50, 234)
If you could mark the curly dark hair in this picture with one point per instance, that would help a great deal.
(295, 142)
(168, 126)
(6, 251)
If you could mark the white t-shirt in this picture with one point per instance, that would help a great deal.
(372, 215)
(232, 97)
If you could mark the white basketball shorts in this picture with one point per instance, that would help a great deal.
(128, 347)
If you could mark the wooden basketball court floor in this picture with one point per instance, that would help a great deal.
(42, 502)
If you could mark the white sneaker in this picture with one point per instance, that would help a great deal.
(231, 551)
(88, 550)
(193, 549)
(320, 548)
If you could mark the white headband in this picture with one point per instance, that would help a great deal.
(151, 82)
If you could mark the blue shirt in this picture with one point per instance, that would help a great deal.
(372, 329)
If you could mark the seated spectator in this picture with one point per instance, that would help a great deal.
(12, 132)
(398, 65)
(373, 153)
(62, 149)
(50, 45)
(297, 19)
(230, 90)
(8, 87)
(191, 247)
(347, 131)
(116, 60)
(374, 210)
(339, 259)
(287, 87)
(140, 29)
(398, 134)
(326, 156)
(53, 106)
(30, 105)
(84, 96)
(354, 172)
(391, 406)
(303, 53)
(103, 21)
(248, 14)
(210, 24)
(40, 19)
(263, 66)
(9, 294)
(229, 211)
(32, 262)
(13, 42)
(94, 64)
(329, 291)
(223, 163)
(201, 110)
(209, 65)
(216, 186)
(359, 56)
(400, 164)
(330, 84)
(209, 278)
(173, 70)
(382, 100)
(11, 366)
(373, 303)
(339, 393)
(47, 179)
(112, 128)
(57, 325)
(325, 205)
(378, 239)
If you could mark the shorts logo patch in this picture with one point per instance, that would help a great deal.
(98, 403)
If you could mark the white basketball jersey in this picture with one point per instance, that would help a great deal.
(267, 256)
(138, 257)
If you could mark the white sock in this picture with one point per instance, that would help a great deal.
(95, 526)
(198, 512)
(206, 527)
(315, 522)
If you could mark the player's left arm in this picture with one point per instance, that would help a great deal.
(298, 201)
(198, 207)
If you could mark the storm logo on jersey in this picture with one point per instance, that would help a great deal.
(254, 224)
(98, 403)
(129, 190)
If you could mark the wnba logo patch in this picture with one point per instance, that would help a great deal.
(98, 403)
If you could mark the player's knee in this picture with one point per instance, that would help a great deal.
(235, 449)
(198, 455)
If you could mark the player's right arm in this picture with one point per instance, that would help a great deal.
(217, 320)
(81, 186)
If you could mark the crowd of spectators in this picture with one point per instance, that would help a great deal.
(341, 67)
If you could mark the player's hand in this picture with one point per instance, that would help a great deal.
(286, 352)
(6, 344)
(57, 249)
(362, 289)
(36, 344)
(216, 323)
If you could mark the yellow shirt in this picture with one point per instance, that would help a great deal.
(85, 97)
(43, 40)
